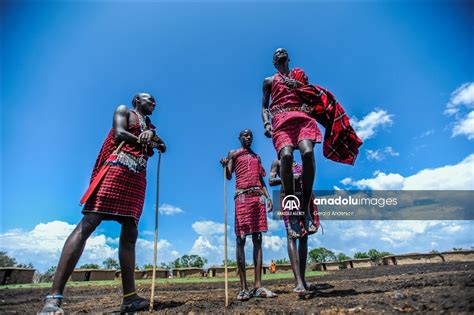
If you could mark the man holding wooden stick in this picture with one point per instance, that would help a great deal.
(116, 192)
(250, 214)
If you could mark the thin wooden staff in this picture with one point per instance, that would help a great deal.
(155, 243)
(225, 241)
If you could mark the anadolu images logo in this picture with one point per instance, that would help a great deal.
(290, 203)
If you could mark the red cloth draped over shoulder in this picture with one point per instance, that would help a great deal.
(341, 143)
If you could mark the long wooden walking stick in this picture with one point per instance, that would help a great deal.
(225, 241)
(155, 243)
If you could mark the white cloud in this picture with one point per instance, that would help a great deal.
(395, 236)
(375, 155)
(461, 99)
(426, 133)
(274, 225)
(368, 126)
(203, 247)
(450, 177)
(452, 228)
(168, 209)
(381, 181)
(465, 126)
(273, 242)
(462, 96)
(43, 244)
(208, 228)
(379, 155)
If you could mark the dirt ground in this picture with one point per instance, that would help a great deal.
(442, 287)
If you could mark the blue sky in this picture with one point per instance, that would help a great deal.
(402, 70)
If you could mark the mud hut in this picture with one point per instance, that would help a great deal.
(461, 255)
(189, 272)
(218, 271)
(13, 275)
(362, 263)
(160, 273)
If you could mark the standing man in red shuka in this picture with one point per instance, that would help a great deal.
(290, 128)
(117, 195)
(250, 212)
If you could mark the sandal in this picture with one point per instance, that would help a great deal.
(136, 304)
(310, 286)
(301, 291)
(52, 305)
(263, 293)
(309, 226)
(294, 229)
(244, 295)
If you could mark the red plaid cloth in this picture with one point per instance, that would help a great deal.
(290, 127)
(248, 169)
(250, 213)
(341, 143)
(121, 192)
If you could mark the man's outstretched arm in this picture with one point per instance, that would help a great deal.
(274, 179)
(267, 89)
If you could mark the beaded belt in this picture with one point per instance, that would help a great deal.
(305, 108)
(239, 192)
(133, 163)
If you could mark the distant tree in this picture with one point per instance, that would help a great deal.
(150, 266)
(29, 265)
(230, 263)
(434, 251)
(321, 254)
(6, 261)
(189, 261)
(361, 255)
(89, 266)
(111, 263)
(342, 256)
(197, 261)
(47, 276)
(376, 256)
(282, 261)
(457, 249)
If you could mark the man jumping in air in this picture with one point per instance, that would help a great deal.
(291, 127)
(118, 194)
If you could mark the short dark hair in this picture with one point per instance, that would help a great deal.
(137, 97)
(245, 130)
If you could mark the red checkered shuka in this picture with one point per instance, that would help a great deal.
(250, 213)
(290, 127)
(122, 190)
(341, 143)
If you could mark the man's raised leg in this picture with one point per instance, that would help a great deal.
(287, 181)
(309, 170)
